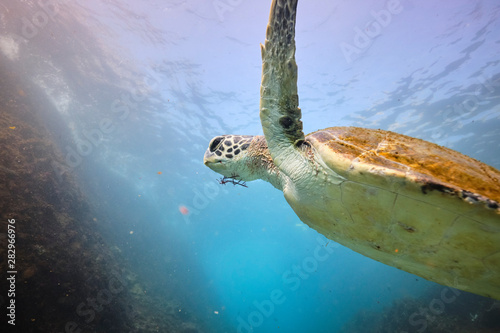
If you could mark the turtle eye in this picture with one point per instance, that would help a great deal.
(215, 143)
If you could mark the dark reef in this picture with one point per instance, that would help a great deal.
(459, 312)
(69, 278)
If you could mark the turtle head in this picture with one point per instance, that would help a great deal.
(228, 155)
(244, 157)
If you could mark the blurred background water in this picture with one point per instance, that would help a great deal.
(131, 93)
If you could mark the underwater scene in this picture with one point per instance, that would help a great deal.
(124, 208)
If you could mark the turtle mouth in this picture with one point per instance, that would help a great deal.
(209, 163)
(217, 166)
(210, 159)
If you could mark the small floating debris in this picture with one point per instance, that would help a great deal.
(183, 210)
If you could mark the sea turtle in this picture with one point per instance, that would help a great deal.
(405, 202)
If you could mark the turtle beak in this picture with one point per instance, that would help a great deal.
(210, 159)
(206, 157)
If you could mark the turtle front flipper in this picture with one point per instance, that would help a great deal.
(279, 111)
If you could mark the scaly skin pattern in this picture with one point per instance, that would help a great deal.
(279, 102)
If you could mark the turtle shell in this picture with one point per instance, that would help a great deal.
(408, 203)
(433, 166)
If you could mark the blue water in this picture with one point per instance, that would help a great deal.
(183, 72)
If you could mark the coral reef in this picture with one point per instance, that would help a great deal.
(69, 279)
